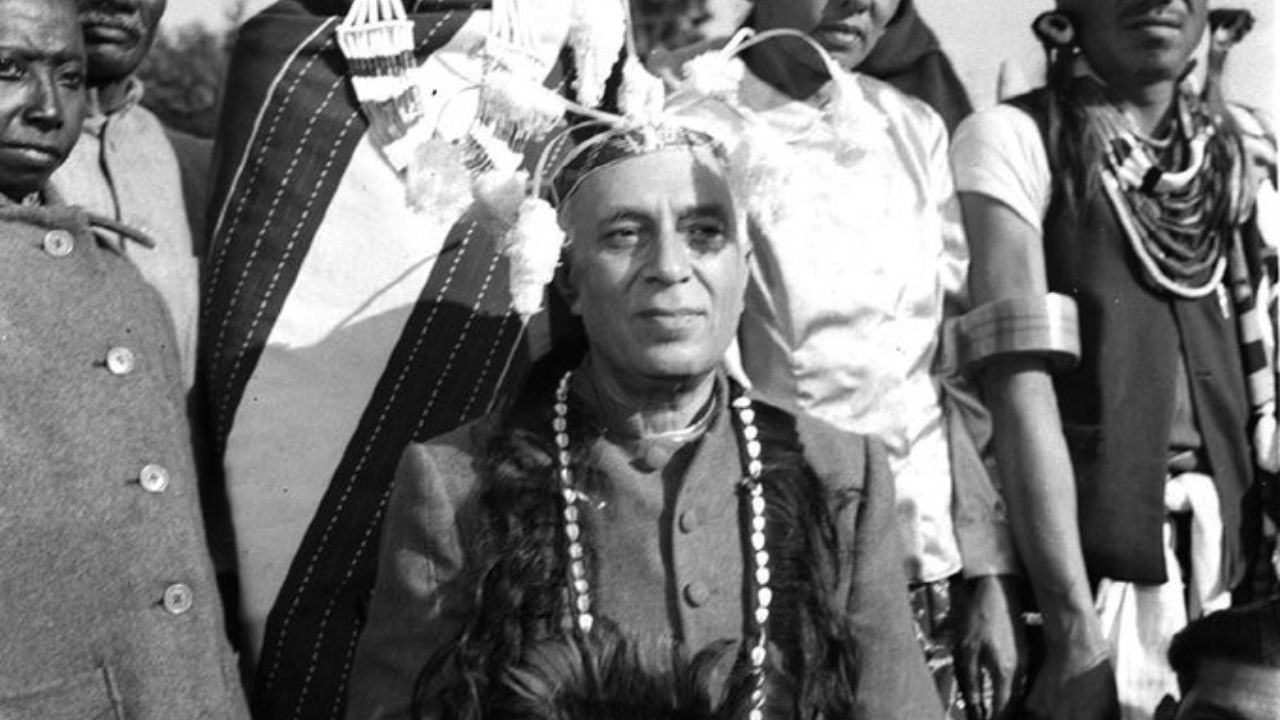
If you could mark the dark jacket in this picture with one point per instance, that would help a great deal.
(670, 562)
(1118, 405)
(107, 596)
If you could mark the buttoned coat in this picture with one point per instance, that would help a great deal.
(670, 563)
(108, 607)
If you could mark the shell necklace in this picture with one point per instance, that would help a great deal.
(580, 585)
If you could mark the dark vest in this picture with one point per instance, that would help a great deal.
(1117, 406)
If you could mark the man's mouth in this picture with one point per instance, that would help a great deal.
(34, 152)
(844, 34)
(671, 318)
(109, 28)
(1153, 15)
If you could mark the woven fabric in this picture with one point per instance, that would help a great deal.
(338, 325)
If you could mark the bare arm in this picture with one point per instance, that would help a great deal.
(1039, 483)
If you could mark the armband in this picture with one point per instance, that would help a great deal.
(1047, 327)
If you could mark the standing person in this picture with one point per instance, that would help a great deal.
(1123, 403)
(125, 166)
(860, 257)
(693, 513)
(106, 588)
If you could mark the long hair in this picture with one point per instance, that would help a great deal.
(522, 602)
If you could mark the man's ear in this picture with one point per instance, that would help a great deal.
(565, 283)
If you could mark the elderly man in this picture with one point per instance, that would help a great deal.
(125, 166)
(1133, 401)
(644, 491)
(106, 589)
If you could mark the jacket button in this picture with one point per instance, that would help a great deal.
(178, 598)
(689, 521)
(696, 594)
(59, 243)
(154, 478)
(120, 361)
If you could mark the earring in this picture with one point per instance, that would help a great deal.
(1054, 30)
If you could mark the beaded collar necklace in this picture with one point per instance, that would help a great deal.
(1173, 218)
(580, 585)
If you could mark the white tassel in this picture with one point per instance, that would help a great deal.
(597, 32)
(518, 106)
(437, 183)
(533, 249)
(714, 74)
(642, 96)
(501, 193)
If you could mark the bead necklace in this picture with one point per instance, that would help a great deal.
(1170, 217)
(580, 586)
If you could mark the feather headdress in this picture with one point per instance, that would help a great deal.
(443, 176)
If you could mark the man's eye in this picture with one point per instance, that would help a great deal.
(10, 69)
(707, 236)
(71, 78)
(622, 237)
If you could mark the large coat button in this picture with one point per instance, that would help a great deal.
(697, 594)
(178, 598)
(689, 521)
(121, 361)
(154, 478)
(59, 243)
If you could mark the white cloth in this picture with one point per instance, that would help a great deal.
(123, 167)
(848, 287)
(999, 153)
(1141, 620)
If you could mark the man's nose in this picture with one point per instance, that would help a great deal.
(670, 262)
(44, 107)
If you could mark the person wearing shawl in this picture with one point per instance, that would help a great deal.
(860, 260)
(639, 493)
(107, 591)
(354, 300)
(1124, 333)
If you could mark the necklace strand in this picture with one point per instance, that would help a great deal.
(1168, 216)
(580, 586)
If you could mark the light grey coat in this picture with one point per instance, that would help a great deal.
(108, 606)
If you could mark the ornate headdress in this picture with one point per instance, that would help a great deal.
(445, 175)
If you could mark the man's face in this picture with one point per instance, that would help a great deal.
(848, 29)
(657, 266)
(41, 91)
(1227, 690)
(117, 35)
(1138, 42)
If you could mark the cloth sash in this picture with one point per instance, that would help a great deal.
(1141, 620)
(337, 326)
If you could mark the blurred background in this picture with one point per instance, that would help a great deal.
(989, 42)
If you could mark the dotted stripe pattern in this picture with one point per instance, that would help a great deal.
(297, 162)
(311, 632)
(383, 409)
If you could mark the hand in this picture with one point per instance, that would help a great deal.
(991, 654)
(1077, 682)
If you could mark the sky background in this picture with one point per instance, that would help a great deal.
(979, 35)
